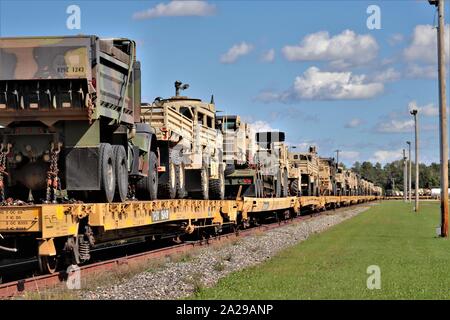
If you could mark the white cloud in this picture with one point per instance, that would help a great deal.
(268, 56)
(395, 126)
(342, 50)
(349, 155)
(395, 39)
(261, 126)
(423, 46)
(428, 110)
(384, 156)
(235, 52)
(355, 122)
(387, 75)
(177, 9)
(421, 71)
(315, 84)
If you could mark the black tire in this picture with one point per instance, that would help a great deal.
(294, 188)
(167, 188)
(147, 187)
(121, 169)
(229, 169)
(181, 181)
(107, 173)
(217, 187)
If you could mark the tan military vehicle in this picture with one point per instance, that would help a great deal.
(304, 165)
(239, 152)
(190, 148)
(238, 142)
(351, 183)
(378, 191)
(272, 164)
(340, 181)
(327, 170)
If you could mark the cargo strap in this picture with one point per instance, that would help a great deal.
(53, 182)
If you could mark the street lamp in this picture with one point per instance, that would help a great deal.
(416, 137)
(409, 175)
(405, 177)
(443, 132)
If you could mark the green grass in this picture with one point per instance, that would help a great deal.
(414, 262)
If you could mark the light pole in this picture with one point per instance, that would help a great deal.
(337, 157)
(443, 133)
(409, 169)
(416, 189)
(405, 177)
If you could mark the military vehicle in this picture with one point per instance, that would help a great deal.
(190, 148)
(239, 155)
(70, 107)
(327, 172)
(272, 165)
(340, 181)
(308, 164)
(351, 183)
(257, 162)
(239, 144)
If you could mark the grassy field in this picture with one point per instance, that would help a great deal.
(414, 262)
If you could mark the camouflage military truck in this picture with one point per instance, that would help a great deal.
(308, 164)
(70, 107)
(327, 172)
(190, 148)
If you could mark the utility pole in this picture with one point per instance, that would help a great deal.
(416, 189)
(337, 157)
(443, 133)
(409, 173)
(405, 177)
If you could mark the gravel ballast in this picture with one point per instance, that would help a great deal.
(175, 280)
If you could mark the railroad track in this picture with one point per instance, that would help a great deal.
(37, 283)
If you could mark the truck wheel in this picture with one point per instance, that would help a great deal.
(147, 187)
(229, 169)
(294, 188)
(168, 188)
(181, 181)
(217, 187)
(107, 173)
(121, 170)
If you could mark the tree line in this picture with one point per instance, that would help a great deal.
(390, 175)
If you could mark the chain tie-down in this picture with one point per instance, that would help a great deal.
(53, 182)
(4, 151)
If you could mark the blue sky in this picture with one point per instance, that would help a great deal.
(310, 68)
